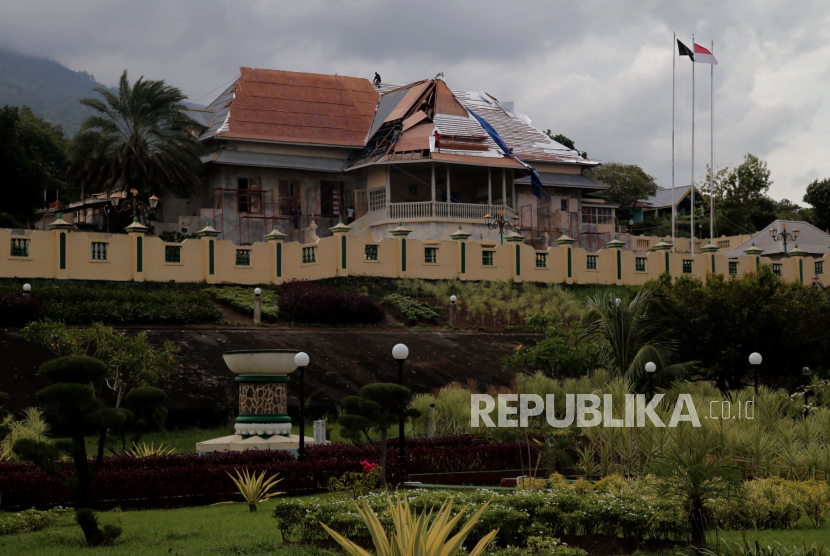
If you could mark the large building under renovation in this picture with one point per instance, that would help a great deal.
(300, 151)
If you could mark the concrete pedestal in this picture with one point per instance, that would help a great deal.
(238, 443)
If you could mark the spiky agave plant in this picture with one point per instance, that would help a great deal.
(254, 489)
(143, 450)
(415, 535)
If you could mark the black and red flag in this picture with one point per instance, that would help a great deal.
(683, 50)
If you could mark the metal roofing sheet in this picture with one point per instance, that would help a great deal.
(565, 180)
(663, 197)
(296, 107)
(246, 158)
(473, 159)
(386, 104)
(810, 239)
(406, 102)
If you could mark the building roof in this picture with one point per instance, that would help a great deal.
(663, 197)
(293, 107)
(564, 180)
(297, 162)
(810, 239)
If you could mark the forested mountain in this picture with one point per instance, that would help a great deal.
(48, 88)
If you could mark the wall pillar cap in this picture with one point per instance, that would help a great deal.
(275, 235)
(753, 250)
(136, 227)
(400, 231)
(615, 244)
(565, 239)
(207, 231)
(60, 224)
(662, 246)
(514, 237)
(340, 228)
(798, 252)
(459, 234)
(708, 248)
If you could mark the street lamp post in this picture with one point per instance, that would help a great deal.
(792, 236)
(755, 360)
(400, 352)
(453, 310)
(650, 369)
(26, 289)
(301, 360)
(134, 204)
(500, 222)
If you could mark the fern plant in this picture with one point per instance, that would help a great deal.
(143, 450)
(254, 489)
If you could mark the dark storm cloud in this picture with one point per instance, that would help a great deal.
(599, 72)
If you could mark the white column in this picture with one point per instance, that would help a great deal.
(388, 186)
(433, 182)
(503, 187)
(489, 186)
(449, 198)
(513, 194)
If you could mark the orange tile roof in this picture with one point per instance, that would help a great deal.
(300, 108)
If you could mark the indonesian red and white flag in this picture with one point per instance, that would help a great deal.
(703, 56)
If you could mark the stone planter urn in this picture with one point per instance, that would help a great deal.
(263, 422)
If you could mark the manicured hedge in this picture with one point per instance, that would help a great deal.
(312, 303)
(18, 309)
(190, 480)
(158, 304)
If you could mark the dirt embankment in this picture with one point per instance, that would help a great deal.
(342, 361)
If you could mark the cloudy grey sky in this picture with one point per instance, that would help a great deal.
(599, 72)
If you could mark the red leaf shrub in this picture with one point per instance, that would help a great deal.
(314, 303)
(18, 309)
(190, 479)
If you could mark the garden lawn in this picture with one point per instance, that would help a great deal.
(205, 530)
(791, 538)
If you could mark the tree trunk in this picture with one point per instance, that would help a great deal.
(252, 507)
(697, 522)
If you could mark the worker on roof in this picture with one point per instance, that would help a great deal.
(427, 108)
(377, 79)
(396, 134)
(437, 137)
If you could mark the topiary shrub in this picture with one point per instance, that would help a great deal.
(313, 303)
(18, 309)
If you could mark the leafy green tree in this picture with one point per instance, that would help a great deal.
(787, 210)
(638, 332)
(131, 360)
(695, 480)
(562, 140)
(563, 352)
(627, 182)
(742, 203)
(33, 158)
(818, 196)
(139, 139)
(377, 408)
(721, 322)
(71, 401)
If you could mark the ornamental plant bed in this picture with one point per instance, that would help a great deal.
(478, 478)
(182, 480)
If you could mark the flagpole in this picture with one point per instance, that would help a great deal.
(712, 147)
(693, 151)
(673, 102)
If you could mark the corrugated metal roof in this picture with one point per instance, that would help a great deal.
(663, 197)
(810, 239)
(296, 107)
(565, 180)
(247, 158)
(203, 117)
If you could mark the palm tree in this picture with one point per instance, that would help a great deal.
(695, 480)
(139, 139)
(638, 332)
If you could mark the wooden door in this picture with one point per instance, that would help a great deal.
(361, 203)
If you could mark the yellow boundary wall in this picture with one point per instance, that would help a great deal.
(138, 258)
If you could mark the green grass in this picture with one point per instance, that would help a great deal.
(792, 538)
(204, 530)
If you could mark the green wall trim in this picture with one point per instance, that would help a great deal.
(757, 263)
(569, 262)
(800, 271)
(518, 261)
(267, 378)
(263, 418)
(667, 261)
(403, 254)
(279, 260)
(713, 264)
(139, 260)
(463, 257)
(619, 264)
(210, 257)
(63, 250)
(343, 247)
